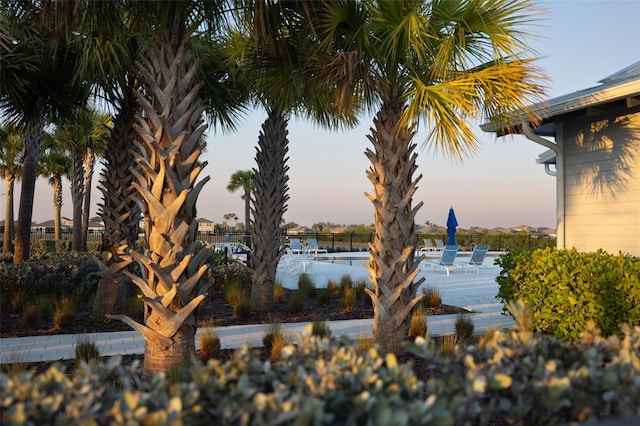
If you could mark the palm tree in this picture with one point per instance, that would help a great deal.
(37, 80)
(96, 144)
(274, 49)
(81, 135)
(120, 211)
(443, 62)
(55, 163)
(108, 59)
(169, 131)
(243, 179)
(11, 148)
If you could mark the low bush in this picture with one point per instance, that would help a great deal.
(50, 274)
(566, 288)
(50, 246)
(514, 377)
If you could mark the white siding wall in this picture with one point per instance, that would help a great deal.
(602, 182)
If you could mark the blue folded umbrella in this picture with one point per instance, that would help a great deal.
(451, 227)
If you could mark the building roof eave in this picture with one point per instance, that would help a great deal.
(612, 90)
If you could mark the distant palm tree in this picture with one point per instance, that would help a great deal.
(55, 163)
(82, 134)
(243, 179)
(11, 149)
(445, 63)
(37, 79)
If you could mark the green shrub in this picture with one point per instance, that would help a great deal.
(50, 246)
(50, 274)
(565, 288)
(516, 377)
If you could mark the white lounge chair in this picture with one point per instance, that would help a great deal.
(439, 244)
(295, 246)
(428, 245)
(312, 247)
(447, 259)
(477, 258)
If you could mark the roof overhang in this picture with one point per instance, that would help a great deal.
(622, 86)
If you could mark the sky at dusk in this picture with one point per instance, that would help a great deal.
(582, 42)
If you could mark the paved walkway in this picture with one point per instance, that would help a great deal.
(469, 289)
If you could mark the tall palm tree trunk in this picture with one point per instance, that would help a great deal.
(77, 195)
(392, 267)
(33, 142)
(7, 242)
(173, 265)
(247, 218)
(270, 183)
(57, 207)
(120, 212)
(89, 163)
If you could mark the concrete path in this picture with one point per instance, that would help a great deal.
(469, 289)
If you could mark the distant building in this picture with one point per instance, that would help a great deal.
(594, 154)
(206, 226)
(299, 230)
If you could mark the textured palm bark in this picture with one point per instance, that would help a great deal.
(33, 142)
(77, 195)
(166, 181)
(269, 205)
(120, 211)
(57, 207)
(7, 242)
(393, 267)
(89, 161)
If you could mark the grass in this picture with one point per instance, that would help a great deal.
(296, 302)
(349, 299)
(278, 293)
(432, 298)
(209, 341)
(320, 328)
(464, 328)
(86, 350)
(418, 325)
(64, 312)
